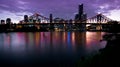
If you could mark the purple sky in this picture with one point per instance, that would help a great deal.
(59, 8)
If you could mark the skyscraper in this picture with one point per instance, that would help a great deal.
(80, 12)
(8, 21)
(26, 18)
(2, 21)
(51, 18)
(80, 16)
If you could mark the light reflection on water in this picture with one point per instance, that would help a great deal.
(46, 45)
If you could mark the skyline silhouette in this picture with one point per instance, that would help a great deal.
(16, 9)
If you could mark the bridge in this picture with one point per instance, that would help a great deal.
(97, 22)
(37, 21)
(97, 19)
(38, 18)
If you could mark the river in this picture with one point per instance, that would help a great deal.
(48, 47)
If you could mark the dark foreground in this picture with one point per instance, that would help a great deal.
(35, 61)
(108, 57)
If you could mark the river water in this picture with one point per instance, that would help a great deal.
(48, 47)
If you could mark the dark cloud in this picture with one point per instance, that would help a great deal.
(59, 8)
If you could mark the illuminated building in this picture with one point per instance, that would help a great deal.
(59, 20)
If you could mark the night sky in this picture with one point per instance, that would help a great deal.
(16, 9)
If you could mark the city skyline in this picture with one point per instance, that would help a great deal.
(16, 9)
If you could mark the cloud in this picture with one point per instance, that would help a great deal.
(15, 17)
(59, 8)
(22, 2)
(5, 6)
(114, 14)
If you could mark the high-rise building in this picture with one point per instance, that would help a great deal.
(51, 18)
(8, 21)
(76, 17)
(84, 17)
(2, 21)
(80, 12)
(81, 16)
(26, 18)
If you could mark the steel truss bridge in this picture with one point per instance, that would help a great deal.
(98, 22)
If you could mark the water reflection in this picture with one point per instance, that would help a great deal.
(93, 41)
(60, 44)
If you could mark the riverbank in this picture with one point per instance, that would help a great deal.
(109, 56)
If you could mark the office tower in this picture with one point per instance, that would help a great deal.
(26, 18)
(76, 17)
(80, 12)
(51, 18)
(2, 21)
(84, 18)
(81, 16)
(80, 9)
(8, 21)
